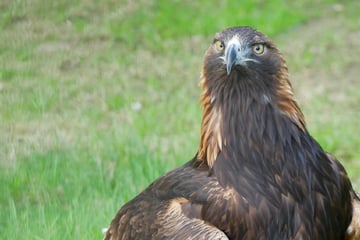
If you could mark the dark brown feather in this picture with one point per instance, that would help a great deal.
(258, 174)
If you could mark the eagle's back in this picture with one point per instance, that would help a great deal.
(168, 209)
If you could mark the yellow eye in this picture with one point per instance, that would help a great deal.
(258, 48)
(219, 45)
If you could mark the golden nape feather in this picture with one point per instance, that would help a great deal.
(258, 174)
(211, 140)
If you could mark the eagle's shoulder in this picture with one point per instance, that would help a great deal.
(170, 208)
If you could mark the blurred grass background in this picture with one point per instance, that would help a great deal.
(97, 99)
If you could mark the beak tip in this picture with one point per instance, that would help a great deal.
(228, 70)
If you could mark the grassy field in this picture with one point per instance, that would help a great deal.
(99, 99)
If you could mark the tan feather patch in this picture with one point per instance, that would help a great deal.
(211, 141)
(286, 99)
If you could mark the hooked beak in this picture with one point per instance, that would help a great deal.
(233, 55)
(236, 54)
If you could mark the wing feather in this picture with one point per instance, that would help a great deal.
(168, 209)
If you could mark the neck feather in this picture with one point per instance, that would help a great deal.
(249, 115)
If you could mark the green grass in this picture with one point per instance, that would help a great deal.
(97, 99)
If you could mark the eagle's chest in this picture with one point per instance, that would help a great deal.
(254, 208)
(284, 200)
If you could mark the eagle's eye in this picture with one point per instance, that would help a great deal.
(258, 48)
(219, 45)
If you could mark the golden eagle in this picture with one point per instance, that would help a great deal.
(258, 174)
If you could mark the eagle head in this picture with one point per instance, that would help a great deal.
(242, 69)
(242, 49)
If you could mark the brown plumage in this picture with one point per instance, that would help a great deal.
(258, 174)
